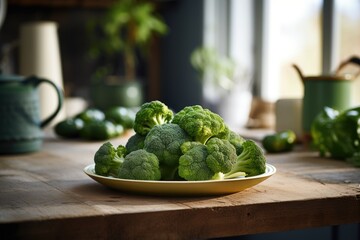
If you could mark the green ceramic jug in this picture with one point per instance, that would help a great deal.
(20, 123)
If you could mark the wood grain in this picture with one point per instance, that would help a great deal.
(47, 195)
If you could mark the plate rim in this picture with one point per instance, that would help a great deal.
(270, 170)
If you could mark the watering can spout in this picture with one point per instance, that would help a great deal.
(298, 71)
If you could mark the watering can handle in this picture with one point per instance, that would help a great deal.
(36, 81)
(354, 60)
(298, 71)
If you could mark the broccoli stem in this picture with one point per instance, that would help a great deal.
(234, 175)
(222, 176)
(118, 160)
(203, 139)
(159, 119)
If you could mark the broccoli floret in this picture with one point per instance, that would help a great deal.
(251, 161)
(140, 165)
(109, 159)
(237, 141)
(135, 142)
(164, 141)
(192, 164)
(201, 124)
(206, 162)
(151, 114)
(221, 155)
(179, 115)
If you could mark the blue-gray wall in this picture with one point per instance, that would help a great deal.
(179, 82)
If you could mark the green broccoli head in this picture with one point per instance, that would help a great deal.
(109, 159)
(135, 142)
(164, 141)
(179, 115)
(237, 141)
(201, 124)
(192, 164)
(140, 165)
(251, 160)
(346, 130)
(151, 114)
(321, 133)
(337, 134)
(221, 155)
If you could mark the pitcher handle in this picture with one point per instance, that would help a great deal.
(36, 81)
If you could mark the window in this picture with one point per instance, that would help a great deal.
(266, 37)
(292, 33)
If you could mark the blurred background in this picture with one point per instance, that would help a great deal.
(263, 38)
(232, 56)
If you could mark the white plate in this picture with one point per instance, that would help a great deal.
(181, 188)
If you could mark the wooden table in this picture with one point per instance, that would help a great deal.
(46, 195)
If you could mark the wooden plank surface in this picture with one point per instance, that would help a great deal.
(46, 193)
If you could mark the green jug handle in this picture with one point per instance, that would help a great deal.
(36, 81)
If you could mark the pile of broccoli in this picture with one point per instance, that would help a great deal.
(193, 144)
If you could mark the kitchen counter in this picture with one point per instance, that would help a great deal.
(46, 195)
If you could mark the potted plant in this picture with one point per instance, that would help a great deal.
(215, 71)
(226, 87)
(126, 30)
